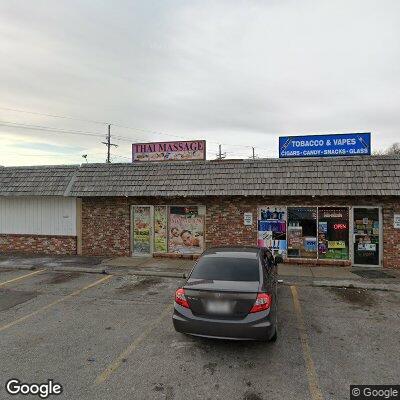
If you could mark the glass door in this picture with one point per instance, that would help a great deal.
(142, 230)
(367, 236)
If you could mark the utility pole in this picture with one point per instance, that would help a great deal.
(109, 144)
(254, 153)
(220, 155)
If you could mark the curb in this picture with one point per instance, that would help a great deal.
(79, 269)
(386, 287)
(109, 271)
(22, 267)
(358, 285)
(56, 269)
(98, 270)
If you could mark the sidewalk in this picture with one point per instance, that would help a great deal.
(337, 277)
(167, 267)
(180, 268)
(54, 263)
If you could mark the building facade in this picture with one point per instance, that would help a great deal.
(341, 211)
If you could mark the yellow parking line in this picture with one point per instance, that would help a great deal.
(22, 277)
(312, 377)
(79, 291)
(132, 347)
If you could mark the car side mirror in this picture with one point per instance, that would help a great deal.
(278, 260)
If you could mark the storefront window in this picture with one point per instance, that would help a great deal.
(141, 229)
(186, 230)
(160, 229)
(272, 228)
(366, 236)
(333, 233)
(302, 232)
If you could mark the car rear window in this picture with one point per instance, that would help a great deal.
(227, 269)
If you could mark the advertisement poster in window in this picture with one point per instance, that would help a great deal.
(366, 236)
(186, 230)
(302, 232)
(272, 228)
(160, 229)
(141, 229)
(333, 233)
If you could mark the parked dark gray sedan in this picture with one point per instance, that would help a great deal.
(231, 293)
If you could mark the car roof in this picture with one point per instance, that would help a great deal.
(246, 250)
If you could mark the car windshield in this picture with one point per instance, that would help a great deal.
(238, 267)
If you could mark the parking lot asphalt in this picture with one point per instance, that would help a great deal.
(111, 337)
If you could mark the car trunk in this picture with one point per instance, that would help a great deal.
(237, 298)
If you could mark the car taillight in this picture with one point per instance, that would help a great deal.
(180, 298)
(263, 302)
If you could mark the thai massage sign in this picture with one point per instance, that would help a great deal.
(169, 151)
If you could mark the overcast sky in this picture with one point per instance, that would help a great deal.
(240, 73)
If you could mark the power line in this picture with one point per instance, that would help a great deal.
(53, 115)
(48, 129)
(182, 137)
(119, 137)
(148, 131)
(43, 155)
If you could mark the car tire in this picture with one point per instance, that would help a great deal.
(274, 337)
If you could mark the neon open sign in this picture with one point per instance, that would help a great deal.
(340, 227)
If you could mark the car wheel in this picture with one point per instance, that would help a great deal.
(274, 336)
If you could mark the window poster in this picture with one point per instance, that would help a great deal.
(186, 230)
(302, 232)
(333, 233)
(295, 239)
(160, 229)
(366, 236)
(272, 228)
(141, 229)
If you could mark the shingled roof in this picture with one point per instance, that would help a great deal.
(347, 176)
(36, 181)
(352, 176)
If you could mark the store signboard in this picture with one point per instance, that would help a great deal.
(343, 144)
(248, 218)
(396, 222)
(169, 151)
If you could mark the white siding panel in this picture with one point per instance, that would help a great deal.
(38, 215)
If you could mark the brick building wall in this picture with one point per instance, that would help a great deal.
(38, 244)
(106, 221)
(391, 236)
(105, 226)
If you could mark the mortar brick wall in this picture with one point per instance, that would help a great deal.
(105, 226)
(106, 221)
(37, 244)
(391, 237)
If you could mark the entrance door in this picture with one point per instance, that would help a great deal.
(367, 226)
(142, 230)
